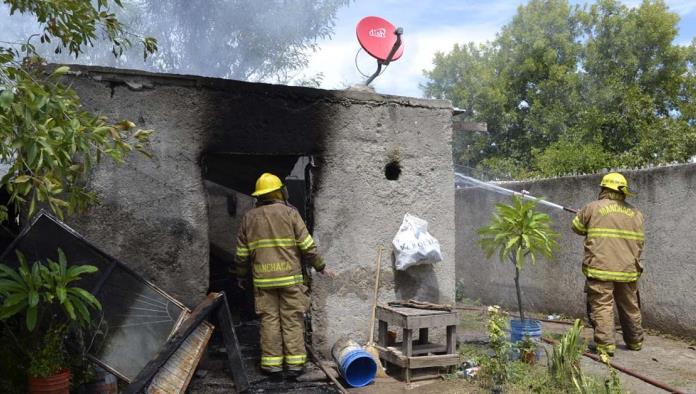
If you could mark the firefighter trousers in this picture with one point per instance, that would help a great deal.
(601, 297)
(282, 326)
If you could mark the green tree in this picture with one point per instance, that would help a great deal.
(47, 140)
(574, 89)
(516, 233)
(632, 82)
(239, 39)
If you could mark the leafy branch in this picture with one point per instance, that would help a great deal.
(47, 140)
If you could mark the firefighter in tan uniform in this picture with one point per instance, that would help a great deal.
(614, 239)
(271, 241)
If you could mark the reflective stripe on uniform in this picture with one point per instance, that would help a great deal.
(610, 276)
(578, 225)
(597, 232)
(306, 243)
(609, 348)
(295, 359)
(242, 251)
(272, 361)
(282, 281)
(271, 243)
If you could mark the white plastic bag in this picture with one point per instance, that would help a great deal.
(413, 245)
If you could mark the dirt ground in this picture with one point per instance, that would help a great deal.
(667, 360)
(663, 359)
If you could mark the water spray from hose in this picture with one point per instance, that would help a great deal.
(507, 192)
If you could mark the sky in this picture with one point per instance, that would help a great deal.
(429, 26)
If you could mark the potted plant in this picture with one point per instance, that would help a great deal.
(527, 349)
(44, 297)
(517, 233)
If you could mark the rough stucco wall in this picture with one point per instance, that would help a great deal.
(665, 197)
(154, 214)
(357, 209)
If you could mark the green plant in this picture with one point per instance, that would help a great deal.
(49, 303)
(497, 366)
(527, 349)
(459, 291)
(518, 232)
(48, 141)
(50, 357)
(599, 86)
(564, 364)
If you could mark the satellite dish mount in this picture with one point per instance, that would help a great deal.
(381, 40)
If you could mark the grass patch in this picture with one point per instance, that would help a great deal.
(473, 351)
(499, 373)
(474, 321)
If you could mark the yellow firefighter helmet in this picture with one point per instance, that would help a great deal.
(616, 181)
(267, 183)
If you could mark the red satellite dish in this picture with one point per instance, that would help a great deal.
(377, 37)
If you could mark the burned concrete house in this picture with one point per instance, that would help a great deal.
(354, 162)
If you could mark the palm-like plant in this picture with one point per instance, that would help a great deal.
(50, 301)
(518, 232)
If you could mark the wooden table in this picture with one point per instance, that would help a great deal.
(411, 355)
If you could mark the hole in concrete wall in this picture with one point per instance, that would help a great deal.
(392, 170)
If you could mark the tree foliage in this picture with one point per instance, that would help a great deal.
(518, 232)
(47, 141)
(239, 39)
(567, 88)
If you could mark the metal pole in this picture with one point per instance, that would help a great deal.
(399, 31)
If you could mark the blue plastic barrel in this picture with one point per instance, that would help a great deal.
(357, 366)
(528, 328)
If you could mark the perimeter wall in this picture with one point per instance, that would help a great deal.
(666, 197)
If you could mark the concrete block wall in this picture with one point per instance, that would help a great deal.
(664, 194)
(357, 209)
(153, 213)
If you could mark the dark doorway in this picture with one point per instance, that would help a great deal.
(230, 180)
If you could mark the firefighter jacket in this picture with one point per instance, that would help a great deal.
(614, 238)
(272, 240)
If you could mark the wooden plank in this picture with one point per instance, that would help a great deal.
(440, 320)
(199, 314)
(383, 333)
(403, 311)
(407, 345)
(451, 339)
(396, 357)
(419, 350)
(393, 356)
(175, 376)
(392, 318)
(433, 361)
(234, 354)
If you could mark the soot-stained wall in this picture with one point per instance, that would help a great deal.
(153, 213)
(664, 195)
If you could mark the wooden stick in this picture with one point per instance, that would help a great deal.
(374, 304)
(326, 372)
